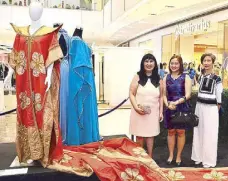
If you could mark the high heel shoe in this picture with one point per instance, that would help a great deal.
(178, 164)
(169, 162)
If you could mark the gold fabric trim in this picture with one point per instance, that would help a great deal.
(188, 169)
(131, 174)
(50, 116)
(55, 53)
(28, 143)
(24, 30)
(85, 170)
(147, 161)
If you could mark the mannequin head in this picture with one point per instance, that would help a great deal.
(35, 11)
(55, 25)
(78, 32)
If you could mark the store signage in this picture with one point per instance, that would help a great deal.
(203, 25)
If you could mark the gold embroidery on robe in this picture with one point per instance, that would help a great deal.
(37, 64)
(29, 146)
(37, 102)
(24, 100)
(18, 61)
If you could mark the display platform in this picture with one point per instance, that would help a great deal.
(11, 171)
(188, 172)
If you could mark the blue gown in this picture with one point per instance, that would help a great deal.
(82, 126)
(64, 72)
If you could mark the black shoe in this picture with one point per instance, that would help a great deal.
(178, 164)
(169, 162)
(198, 164)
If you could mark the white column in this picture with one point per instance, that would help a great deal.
(1, 96)
(157, 48)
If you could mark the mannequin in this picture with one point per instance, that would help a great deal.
(35, 59)
(78, 32)
(82, 100)
(62, 41)
(35, 12)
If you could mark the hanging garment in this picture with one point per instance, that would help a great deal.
(38, 135)
(64, 42)
(82, 126)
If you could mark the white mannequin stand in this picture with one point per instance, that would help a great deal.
(35, 12)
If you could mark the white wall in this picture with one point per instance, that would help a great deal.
(107, 14)
(117, 8)
(121, 64)
(130, 3)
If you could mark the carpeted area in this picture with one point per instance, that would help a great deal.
(161, 154)
(8, 154)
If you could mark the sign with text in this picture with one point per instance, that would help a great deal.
(187, 28)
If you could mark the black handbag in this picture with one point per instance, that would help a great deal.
(187, 118)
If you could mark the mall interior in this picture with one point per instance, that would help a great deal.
(119, 33)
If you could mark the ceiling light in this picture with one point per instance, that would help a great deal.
(153, 14)
(169, 6)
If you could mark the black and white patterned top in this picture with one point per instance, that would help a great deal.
(210, 89)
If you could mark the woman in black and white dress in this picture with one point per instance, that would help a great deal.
(205, 138)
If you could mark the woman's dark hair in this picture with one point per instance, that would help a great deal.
(155, 78)
(213, 58)
(180, 60)
(198, 68)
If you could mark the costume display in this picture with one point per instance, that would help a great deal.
(82, 124)
(205, 137)
(146, 125)
(175, 90)
(38, 134)
(64, 41)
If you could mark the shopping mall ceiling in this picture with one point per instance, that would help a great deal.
(153, 14)
(144, 16)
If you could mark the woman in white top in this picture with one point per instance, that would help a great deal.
(205, 138)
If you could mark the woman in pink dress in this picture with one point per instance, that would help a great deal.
(147, 103)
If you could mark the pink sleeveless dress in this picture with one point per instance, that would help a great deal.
(146, 125)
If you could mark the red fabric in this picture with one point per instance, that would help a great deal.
(37, 110)
(113, 160)
(197, 174)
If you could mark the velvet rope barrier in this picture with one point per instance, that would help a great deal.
(111, 110)
(8, 112)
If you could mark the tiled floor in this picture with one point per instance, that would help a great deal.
(114, 123)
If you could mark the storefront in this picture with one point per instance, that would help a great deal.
(191, 39)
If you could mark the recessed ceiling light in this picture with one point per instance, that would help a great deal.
(169, 6)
